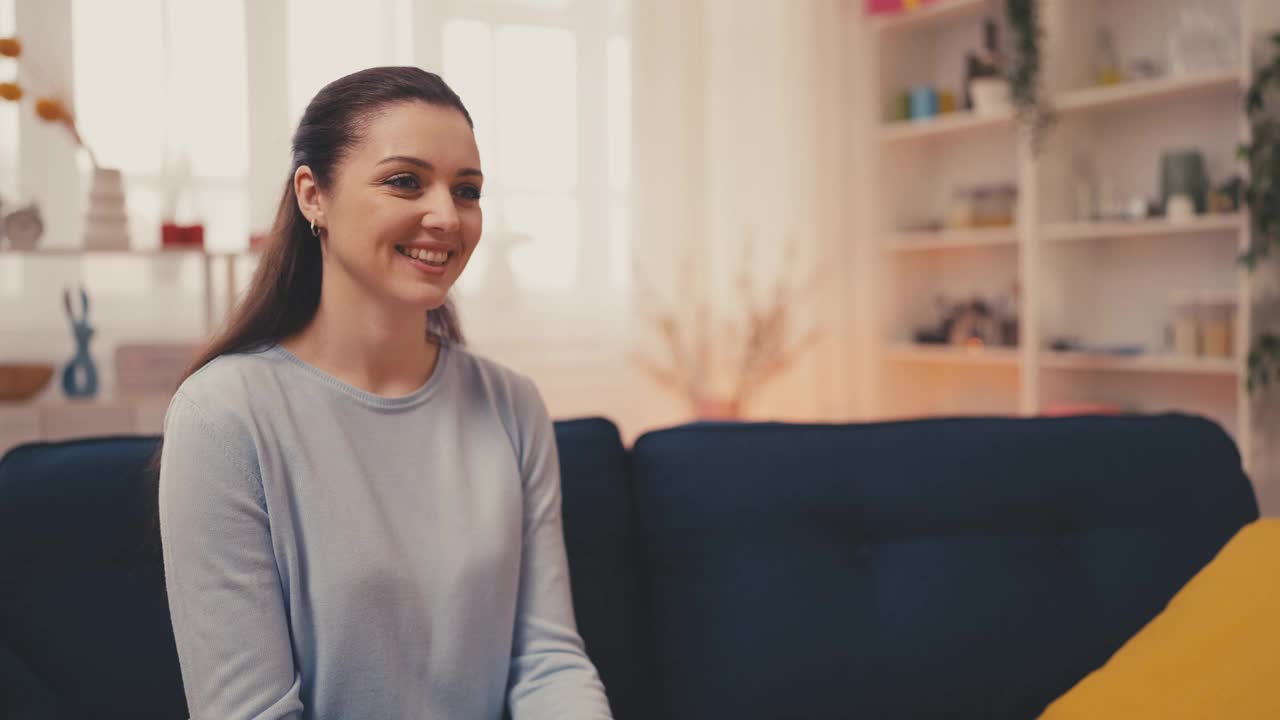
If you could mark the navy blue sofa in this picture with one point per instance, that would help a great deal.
(966, 568)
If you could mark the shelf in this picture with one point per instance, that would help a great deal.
(141, 252)
(952, 123)
(937, 12)
(1233, 222)
(58, 401)
(1144, 90)
(951, 355)
(1177, 364)
(905, 242)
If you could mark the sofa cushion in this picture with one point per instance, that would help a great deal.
(1211, 653)
(600, 538)
(941, 568)
(82, 601)
(22, 695)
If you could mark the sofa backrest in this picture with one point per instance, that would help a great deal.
(969, 568)
(83, 612)
(599, 532)
(84, 620)
(941, 568)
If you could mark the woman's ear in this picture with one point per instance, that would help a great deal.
(308, 194)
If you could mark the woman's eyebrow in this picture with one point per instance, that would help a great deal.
(467, 172)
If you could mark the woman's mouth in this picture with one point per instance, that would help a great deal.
(430, 261)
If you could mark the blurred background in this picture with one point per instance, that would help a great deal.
(800, 210)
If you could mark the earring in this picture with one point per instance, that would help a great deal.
(315, 232)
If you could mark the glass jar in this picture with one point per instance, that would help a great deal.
(1217, 322)
(962, 211)
(1186, 324)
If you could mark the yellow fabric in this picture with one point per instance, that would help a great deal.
(1213, 653)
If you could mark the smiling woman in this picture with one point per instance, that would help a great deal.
(359, 517)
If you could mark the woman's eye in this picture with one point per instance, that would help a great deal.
(404, 182)
(468, 192)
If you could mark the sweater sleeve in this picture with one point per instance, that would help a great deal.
(551, 675)
(225, 597)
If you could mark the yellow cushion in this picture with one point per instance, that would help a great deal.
(1213, 653)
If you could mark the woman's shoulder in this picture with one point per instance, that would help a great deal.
(221, 393)
(226, 378)
(490, 376)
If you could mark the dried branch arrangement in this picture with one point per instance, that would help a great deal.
(718, 361)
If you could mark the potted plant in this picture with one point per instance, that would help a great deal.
(1032, 107)
(1261, 193)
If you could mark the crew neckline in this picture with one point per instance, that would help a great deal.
(363, 396)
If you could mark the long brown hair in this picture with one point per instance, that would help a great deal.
(285, 291)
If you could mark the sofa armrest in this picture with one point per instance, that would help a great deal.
(23, 696)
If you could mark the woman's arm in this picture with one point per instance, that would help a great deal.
(551, 676)
(220, 573)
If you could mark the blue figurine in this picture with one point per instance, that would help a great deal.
(80, 376)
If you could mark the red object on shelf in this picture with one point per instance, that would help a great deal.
(186, 237)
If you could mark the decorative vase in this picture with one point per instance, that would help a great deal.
(106, 224)
(991, 95)
(711, 408)
(80, 376)
(1182, 172)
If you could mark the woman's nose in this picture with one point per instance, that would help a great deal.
(441, 214)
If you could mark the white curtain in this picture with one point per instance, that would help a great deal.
(741, 140)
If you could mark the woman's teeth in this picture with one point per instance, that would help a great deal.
(434, 257)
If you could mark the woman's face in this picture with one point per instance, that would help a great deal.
(402, 216)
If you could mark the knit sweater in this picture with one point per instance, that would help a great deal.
(331, 553)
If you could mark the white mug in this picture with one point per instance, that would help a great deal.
(1180, 208)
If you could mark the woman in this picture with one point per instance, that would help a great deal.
(359, 518)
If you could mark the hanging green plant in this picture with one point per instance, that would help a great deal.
(1034, 111)
(1261, 193)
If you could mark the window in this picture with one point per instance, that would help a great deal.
(331, 38)
(547, 83)
(556, 196)
(168, 108)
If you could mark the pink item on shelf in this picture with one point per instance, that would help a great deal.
(890, 7)
(1070, 409)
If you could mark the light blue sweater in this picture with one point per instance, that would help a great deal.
(330, 553)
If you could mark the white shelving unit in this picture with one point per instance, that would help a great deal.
(208, 260)
(948, 355)
(1141, 91)
(51, 416)
(938, 12)
(1230, 225)
(1101, 283)
(952, 239)
(1148, 363)
(951, 124)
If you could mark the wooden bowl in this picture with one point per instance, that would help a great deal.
(23, 381)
